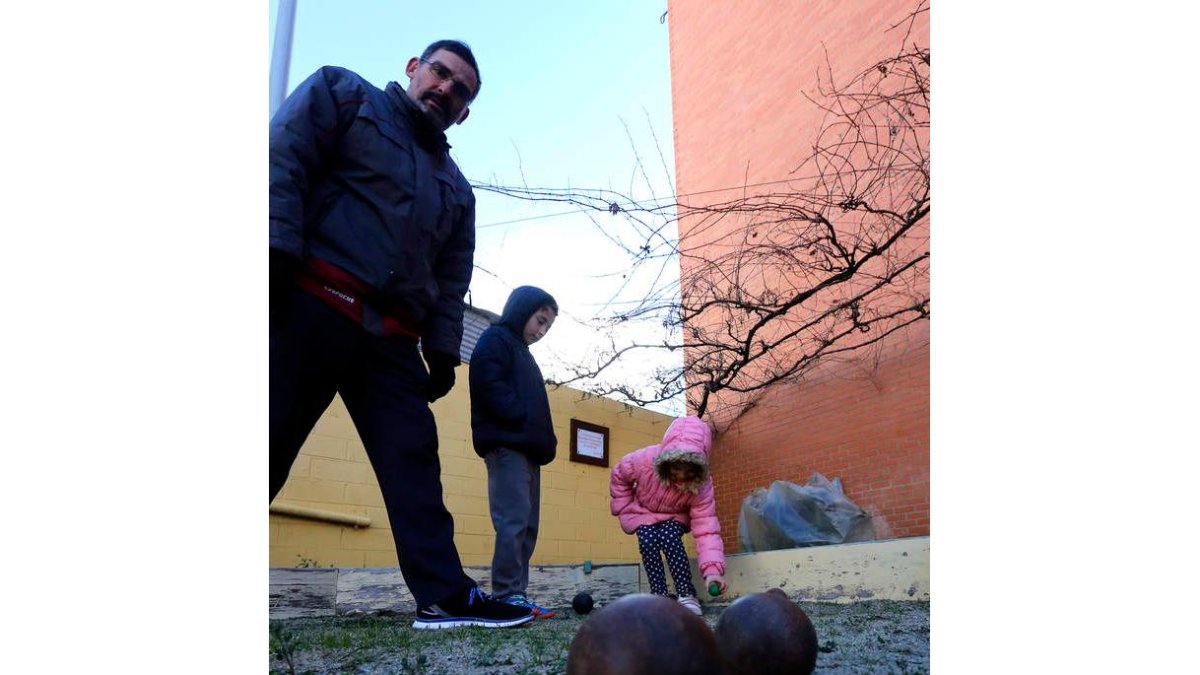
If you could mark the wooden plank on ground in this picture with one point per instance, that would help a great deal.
(556, 585)
(374, 589)
(302, 592)
(891, 569)
(296, 593)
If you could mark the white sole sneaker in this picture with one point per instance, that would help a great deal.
(426, 623)
(691, 604)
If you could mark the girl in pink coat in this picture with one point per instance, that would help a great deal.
(662, 491)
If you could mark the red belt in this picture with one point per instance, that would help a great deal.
(345, 292)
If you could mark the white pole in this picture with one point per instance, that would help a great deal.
(281, 53)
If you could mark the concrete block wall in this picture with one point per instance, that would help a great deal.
(332, 475)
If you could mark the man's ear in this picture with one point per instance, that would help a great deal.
(463, 117)
(412, 66)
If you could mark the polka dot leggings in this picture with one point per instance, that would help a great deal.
(666, 537)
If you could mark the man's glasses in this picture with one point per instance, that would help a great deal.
(462, 91)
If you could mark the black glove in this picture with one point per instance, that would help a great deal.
(283, 278)
(441, 374)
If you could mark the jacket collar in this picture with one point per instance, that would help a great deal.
(426, 134)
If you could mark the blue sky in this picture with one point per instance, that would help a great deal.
(570, 90)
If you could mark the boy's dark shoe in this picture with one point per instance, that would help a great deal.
(473, 608)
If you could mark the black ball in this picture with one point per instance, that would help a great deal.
(582, 603)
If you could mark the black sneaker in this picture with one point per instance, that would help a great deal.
(477, 609)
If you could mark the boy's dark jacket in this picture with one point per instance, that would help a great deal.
(509, 406)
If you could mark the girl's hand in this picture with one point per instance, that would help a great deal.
(719, 580)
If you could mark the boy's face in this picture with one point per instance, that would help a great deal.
(538, 325)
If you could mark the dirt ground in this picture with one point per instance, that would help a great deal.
(875, 636)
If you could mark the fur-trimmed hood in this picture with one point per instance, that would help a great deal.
(688, 439)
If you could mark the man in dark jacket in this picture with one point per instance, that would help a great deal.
(372, 241)
(513, 432)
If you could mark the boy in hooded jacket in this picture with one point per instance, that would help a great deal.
(662, 491)
(512, 430)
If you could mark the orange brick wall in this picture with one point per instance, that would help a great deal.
(870, 428)
(738, 70)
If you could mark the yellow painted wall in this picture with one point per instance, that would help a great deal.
(332, 475)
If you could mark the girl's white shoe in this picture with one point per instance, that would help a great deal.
(691, 604)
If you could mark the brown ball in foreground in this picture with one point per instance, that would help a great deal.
(644, 634)
(767, 633)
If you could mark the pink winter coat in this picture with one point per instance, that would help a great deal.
(642, 493)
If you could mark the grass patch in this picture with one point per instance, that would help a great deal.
(869, 636)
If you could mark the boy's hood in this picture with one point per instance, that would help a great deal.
(522, 303)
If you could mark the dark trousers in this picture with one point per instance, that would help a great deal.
(315, 353)
(514, 498)
(665, 538)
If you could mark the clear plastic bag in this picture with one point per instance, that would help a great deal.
(788, 515)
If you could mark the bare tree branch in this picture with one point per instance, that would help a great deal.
(833, 261)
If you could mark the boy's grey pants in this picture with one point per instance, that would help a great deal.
(514, 497)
